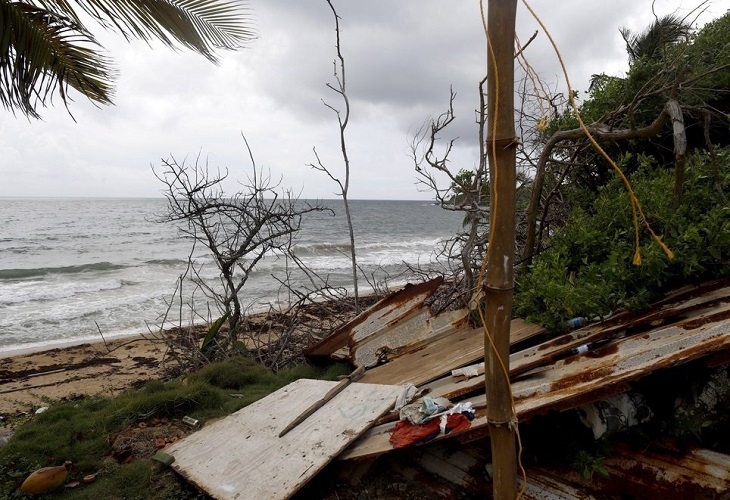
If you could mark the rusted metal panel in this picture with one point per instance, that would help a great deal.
(584, 378)
(684, 307)
(541, 486)
(388, 311)
(697, 310)
(698, 473)
(441, 354)
(670, 475)
(563, 383)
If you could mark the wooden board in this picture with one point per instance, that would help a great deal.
(242, 457)
(438, 358)
(385, 312)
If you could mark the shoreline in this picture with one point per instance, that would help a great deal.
(30, 380)
(35, 347)
(36, 376)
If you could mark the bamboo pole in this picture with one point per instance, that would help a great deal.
(498, 285)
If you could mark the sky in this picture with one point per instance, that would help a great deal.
(401, 59)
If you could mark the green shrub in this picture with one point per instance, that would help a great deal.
(587, 269)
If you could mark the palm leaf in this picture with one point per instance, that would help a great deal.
(200, 25)
(651, 42)
(42, 52)
(45, 48)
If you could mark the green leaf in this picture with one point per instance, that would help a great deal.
(213, 332)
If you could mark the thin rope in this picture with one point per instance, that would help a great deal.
(635, 204)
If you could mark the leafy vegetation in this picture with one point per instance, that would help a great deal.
(666, 125)
(588, 465)
(88, 432)
(587, 270)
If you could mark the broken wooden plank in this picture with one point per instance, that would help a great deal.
(463, 346)
(461, 464)
(242, 456)
(341, 386)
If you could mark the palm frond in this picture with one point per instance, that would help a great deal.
(45, 48)
(42, 52)
(651, 42)
(200, 25)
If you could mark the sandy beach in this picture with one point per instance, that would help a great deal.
(32, 380)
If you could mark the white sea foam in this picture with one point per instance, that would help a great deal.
(43, 290)
(77, 266)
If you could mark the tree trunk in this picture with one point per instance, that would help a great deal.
(680, 149)
(599, 131)
(351, 233)
(501, 149)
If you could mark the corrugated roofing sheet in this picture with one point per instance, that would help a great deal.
(688, 329)
(392, 323)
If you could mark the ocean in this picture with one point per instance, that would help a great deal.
(72, 270)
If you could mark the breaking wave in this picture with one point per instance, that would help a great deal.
(8, 274)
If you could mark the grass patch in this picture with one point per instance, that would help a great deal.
(86, 432)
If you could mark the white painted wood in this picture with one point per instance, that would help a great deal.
(241, 457)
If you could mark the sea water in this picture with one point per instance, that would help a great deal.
(72, 270)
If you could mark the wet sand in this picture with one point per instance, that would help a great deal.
(32, 380)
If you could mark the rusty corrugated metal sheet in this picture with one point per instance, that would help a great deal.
(697, 473)
(397, 324)
(573, 381)
(683, 311)
(657, 473)
(580, 379)
(541, 486)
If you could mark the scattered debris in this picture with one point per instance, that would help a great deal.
(418, 354)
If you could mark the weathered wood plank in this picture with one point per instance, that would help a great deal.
(462, 347)
(242, 456)
(388, 311)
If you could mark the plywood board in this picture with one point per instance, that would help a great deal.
(242, 457)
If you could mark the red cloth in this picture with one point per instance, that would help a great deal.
(405, 433)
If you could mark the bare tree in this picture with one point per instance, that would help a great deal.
(465, 190)
(239, 230)
(342, 119)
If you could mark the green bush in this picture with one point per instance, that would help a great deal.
(587, 269)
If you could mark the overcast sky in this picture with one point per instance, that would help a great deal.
(401, 57)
